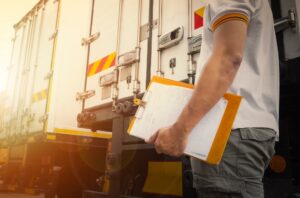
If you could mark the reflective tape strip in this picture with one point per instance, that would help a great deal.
(42, 95)
(102, 64)
(198, 18)
(102, 135)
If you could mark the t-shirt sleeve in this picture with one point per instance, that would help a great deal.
(221, 11)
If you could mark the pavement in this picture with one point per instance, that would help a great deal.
(15, 195)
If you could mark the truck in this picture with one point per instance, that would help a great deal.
(77, 69)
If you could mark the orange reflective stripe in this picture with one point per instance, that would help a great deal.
(93, 67)
(109, 61)
(229, 17)
(101, 64)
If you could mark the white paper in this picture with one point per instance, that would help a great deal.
(164, 107)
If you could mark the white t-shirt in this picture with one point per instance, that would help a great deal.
(257, 80)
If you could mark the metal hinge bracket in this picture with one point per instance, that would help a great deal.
(53, 35)
(85, 95)
(48, 75)
(90, 39)
(43, 118)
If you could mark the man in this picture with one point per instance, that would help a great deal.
(238, 55)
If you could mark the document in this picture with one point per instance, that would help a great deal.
(162, 104)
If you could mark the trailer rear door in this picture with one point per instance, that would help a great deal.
(102, 53)
(44, 64)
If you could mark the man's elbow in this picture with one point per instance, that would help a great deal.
(234, 60)
(229, 64)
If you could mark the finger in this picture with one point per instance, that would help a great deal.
(158, 150)
(158, 147)
(152, 139)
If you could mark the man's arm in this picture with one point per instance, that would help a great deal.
(217, 76)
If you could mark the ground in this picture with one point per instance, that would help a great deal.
(15, 195)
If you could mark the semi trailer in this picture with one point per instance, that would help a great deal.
(76, 70)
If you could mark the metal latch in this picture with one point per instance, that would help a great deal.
(85, 95)
(90, 39)
(48, 75)
(108, 79)
(286, 22)
(194, 44)
(170, 39)
(129, 58)
(43, 118)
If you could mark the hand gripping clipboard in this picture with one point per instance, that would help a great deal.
(163, 102)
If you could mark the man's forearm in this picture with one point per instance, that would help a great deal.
(214, 82)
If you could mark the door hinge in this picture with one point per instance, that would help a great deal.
(53, 35)
(43, 118)
(90, 39)
(48, 75)
(85, 95)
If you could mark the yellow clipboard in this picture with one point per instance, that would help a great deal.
(223, 132)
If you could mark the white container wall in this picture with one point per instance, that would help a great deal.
(173, 25)
(69, 68)
(48, 68)
(43, 70)
(103, 51)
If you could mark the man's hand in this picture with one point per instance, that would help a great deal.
(171, 141)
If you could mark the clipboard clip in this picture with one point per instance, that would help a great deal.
(139, 102)
(142, 104)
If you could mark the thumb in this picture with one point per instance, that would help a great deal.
(152, 139)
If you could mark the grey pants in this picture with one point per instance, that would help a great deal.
(239, 174)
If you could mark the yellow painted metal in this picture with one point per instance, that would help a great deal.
(106, 185)
(164, 178)
(52, 63)
(3, 155)
(51, 137)
(103, 135)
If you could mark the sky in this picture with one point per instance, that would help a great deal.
(11, 11)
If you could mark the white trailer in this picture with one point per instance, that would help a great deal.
(76, 68)
(138, 40)
(43, 78)
(45, 74)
